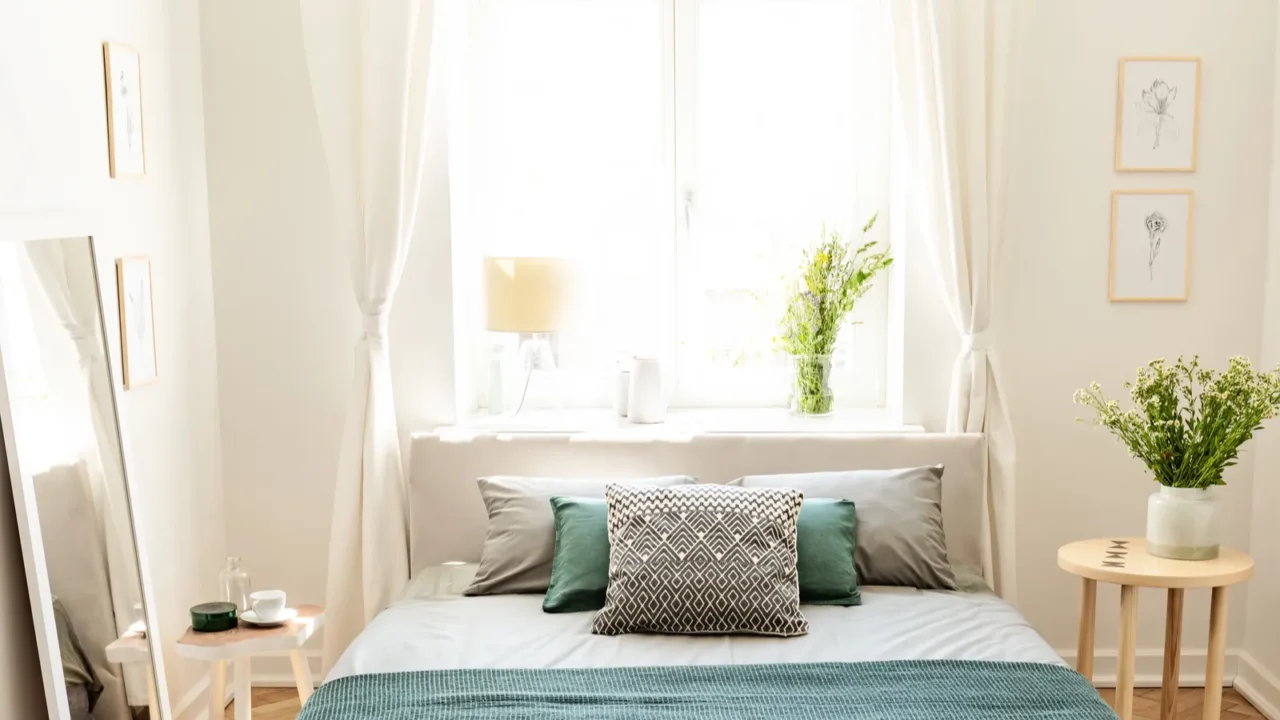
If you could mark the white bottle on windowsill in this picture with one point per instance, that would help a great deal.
(646, 401)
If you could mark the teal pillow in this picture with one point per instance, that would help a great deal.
(825, 541)
(580, 563)
(826, 537)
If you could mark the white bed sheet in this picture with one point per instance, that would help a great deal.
(511, 631)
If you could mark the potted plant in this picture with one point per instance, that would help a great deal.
(1187, 424)
(832, 278)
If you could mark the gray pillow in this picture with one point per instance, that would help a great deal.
(899, 514)
(702, 559)
(521, 539)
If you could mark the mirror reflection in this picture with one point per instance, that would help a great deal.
(68, 455)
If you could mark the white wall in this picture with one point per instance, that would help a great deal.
(1057, 330)
(53, 157)
(1260, 666)
(287, 322)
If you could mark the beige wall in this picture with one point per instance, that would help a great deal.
(53, 158)
(1057, 329)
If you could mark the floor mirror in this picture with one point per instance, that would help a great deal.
(65, 459)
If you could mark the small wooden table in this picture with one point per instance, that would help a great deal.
(241, 644)
(1125, 562)
(133, 649)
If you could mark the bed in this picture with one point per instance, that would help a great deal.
(904, 654)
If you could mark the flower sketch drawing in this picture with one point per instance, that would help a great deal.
(1156, 225)
(1156, 106)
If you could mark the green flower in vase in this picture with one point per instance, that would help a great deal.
(832, 279)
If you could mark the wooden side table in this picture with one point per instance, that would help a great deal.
(1125, 562)
(241, 644)
(132, 649)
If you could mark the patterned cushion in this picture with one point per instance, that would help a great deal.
(702, 559)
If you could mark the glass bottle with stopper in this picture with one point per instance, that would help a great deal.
(233, 582)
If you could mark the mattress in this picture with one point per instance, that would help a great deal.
(511, 631)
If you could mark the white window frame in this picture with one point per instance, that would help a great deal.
(739, 388)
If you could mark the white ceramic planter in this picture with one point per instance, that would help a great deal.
(1184, 523)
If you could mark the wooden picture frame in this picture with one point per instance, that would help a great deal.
(126, 140)
(1152, 107)
(1144, 222)
(136, 302)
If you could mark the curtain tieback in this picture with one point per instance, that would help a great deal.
(88, 348)
(977, 342)
(375, 325)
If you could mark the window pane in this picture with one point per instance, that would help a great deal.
(783, 136)
(566, 158)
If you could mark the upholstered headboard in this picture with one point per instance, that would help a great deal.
(449, 518)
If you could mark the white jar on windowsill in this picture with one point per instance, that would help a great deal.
(1184, 523)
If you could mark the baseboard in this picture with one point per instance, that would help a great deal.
(267, 671)
(1258, 686)
(1149, 666)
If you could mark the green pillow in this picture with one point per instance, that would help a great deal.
(580, 564)
(825, 542)
(826, 537)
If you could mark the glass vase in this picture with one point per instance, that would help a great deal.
(1184, 523)
(811, 385)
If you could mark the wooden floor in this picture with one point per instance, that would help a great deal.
(271, 704)
(282, 704)
(1146, 704)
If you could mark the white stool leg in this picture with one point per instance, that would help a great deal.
(217, 690)
(301, 675)
(244, 691)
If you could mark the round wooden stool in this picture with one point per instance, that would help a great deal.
(1125, 562)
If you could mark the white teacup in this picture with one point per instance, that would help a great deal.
(267, 604)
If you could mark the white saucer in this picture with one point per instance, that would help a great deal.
(285, 616)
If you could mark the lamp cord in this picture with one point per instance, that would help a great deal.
(528, 373)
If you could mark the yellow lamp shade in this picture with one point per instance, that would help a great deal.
(526, 294)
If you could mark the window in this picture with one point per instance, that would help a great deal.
(682, 153)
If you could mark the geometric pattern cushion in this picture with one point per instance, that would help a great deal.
(702, 559)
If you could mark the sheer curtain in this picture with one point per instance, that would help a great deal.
(950, 66)
(369, 62)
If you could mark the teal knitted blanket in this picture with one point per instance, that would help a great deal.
(899, 690)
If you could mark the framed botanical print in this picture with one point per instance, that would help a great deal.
(1150, 245)
(137, 321)
(126, 150)
(1158, 114)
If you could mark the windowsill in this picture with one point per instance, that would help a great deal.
(685, 422)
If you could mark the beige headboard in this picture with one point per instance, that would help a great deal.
(449, 518)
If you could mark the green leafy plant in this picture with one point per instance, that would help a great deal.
(1186, 422)
(832, 278)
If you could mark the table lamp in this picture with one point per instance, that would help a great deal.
(528, 296)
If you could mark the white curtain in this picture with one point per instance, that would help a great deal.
(65, 273)
(950, 59)
(369, 62)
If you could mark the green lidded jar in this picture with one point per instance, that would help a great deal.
(213, 617)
